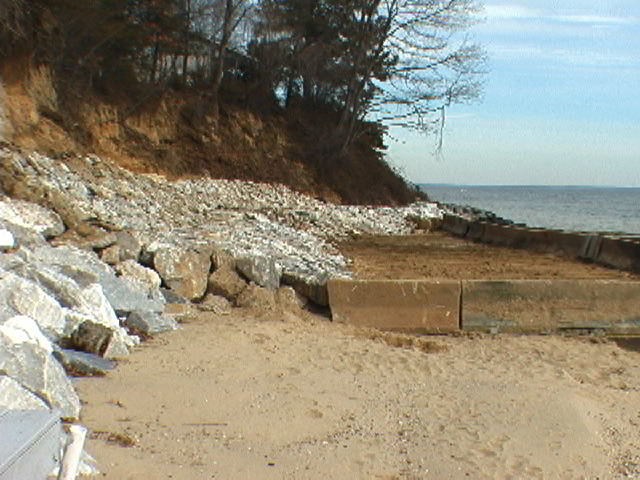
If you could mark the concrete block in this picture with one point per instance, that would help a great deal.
(622, 254)
(31, 443)
(538, 241)
(455, 225)
(422, 306)
(507, 236)
(475, 231)
(568, 243)
(591, 248)
(539, 306)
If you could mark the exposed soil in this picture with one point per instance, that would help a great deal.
(438, 255)
(175, 133)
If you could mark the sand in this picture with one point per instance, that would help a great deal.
(283, 396)
(442, 256)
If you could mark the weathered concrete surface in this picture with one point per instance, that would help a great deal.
(422, 306)
(31, 443)
(537, 306)
(618, 253)
(455, 225)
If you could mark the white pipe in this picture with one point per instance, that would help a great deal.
(71, 458)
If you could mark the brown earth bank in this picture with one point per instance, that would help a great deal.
(246, 396)
(440, 256)
(174, 132)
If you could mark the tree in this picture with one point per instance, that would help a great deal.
(395, 61)
(424, 67)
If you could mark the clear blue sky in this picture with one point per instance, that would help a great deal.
(561, 104)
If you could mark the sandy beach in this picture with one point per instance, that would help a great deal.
(292, 395)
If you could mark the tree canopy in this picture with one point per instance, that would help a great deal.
(386, 62)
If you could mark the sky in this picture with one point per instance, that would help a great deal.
(561, 101)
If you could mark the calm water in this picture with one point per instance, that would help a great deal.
(568, 208)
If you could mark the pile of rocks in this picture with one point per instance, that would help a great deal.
(93, 256)
(475, 214)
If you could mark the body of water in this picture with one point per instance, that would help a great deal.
(594, 209)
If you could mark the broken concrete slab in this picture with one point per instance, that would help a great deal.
(619, 253)
(32, 444)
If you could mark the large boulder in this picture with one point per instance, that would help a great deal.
(24, 329)
(150, 323)
(126, 247)
(226, 283)
(22, 296)
(13, 396)
(77, 297)
(100, 340)
(38, 372)
(261, 270)
(136, 273)
(7, 241)
(31, 216)
(216, 304)
(255, 296)
(85, 268)
(183, 271)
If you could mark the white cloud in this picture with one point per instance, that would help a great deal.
(495, 12)
(593, 19)
(565, 56)
(509, 12)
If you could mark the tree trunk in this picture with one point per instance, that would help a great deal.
(222, 49)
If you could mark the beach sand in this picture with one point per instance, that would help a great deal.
(295, 396)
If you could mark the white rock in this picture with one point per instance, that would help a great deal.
(97, 306)
(24, 329)
(39, 372)
(28, 298)
(6, 239)
(132, 271)
(14, 396)
(31, 216)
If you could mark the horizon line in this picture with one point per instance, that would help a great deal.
(522, 185)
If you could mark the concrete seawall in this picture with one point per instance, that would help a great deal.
(611, 251)
(516, 306)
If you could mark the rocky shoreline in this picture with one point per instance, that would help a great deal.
(96, 258)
